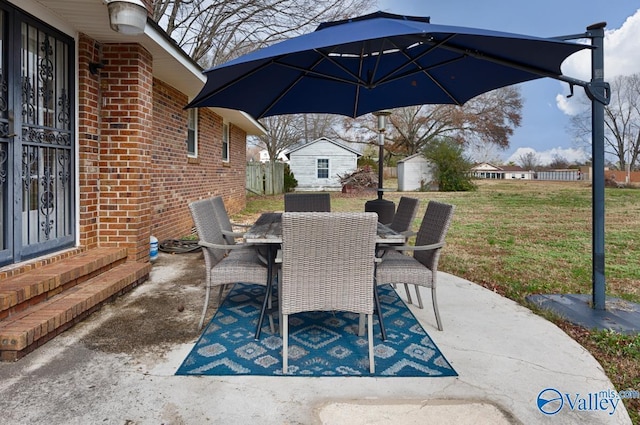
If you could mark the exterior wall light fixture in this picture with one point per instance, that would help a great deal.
(127, 16)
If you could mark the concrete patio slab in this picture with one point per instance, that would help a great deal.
(508, 359)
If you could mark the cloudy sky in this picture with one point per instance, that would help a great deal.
(546, 110)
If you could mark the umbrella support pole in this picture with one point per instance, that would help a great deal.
(385, 209)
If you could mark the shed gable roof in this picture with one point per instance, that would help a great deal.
(324, 139)
(414, 157)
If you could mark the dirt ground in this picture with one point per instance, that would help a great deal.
(160, 313)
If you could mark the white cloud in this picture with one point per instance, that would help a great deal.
(546, 157)
(621, 57)
(573, 105)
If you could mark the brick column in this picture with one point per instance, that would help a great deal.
(88, 141)
(125, 149)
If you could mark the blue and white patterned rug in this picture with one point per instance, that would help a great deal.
(320, 343)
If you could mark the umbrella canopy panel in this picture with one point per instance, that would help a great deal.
(376, 62)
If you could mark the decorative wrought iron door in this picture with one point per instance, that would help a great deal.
(36, 138)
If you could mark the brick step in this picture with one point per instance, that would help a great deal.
(27, 330)
(23, 290)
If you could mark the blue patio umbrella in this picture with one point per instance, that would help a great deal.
(383, 61)
(379, 61)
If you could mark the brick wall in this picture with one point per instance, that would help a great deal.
(125, 149)
(88, 141)
(177, 179)
(135, 178)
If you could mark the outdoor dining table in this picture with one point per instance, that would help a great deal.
(267, 230)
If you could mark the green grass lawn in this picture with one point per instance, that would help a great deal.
(521, 238)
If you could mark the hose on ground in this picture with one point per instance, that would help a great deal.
(178, 246)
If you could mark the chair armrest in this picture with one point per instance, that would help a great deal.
(232, 234)
(278, 259)
(408, 233)
(246, 226)
(430, 247)
(225, 247)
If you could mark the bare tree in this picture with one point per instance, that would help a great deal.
(559, 162)
(491, 117)
(319, 125)
(286, 131)
(253, 153)
(622, 122)
(529, 161)
(485, 153)
(414, 127)
(215, 31)
(283, 131)
(487, 119)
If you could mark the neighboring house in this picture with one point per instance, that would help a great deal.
(415, 172)
(509, 172)
(317, 164)
(264, 156)
(96, 150)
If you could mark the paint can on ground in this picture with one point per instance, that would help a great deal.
(153, 252)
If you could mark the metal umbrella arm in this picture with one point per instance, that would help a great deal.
(599, 91)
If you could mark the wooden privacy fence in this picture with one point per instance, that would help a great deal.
(265, 178)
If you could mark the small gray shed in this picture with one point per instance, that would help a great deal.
(316, 164)
(414, 173)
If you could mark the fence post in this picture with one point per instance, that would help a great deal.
(268, 178)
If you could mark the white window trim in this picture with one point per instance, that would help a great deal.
(328, 169)
(193, 154)
(226, 134)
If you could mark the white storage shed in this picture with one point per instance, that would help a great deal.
(317, 164)
(414, 173)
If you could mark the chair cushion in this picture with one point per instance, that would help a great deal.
(397, 267)
(240, 266)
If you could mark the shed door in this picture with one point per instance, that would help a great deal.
(36, 137)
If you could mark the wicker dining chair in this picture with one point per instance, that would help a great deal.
(307, 202)
(225, 222)
(327, 265)
(401, 223)
(404, 216)
(421, 269)
(224, 263)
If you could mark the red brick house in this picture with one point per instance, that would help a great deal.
(96, 155)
